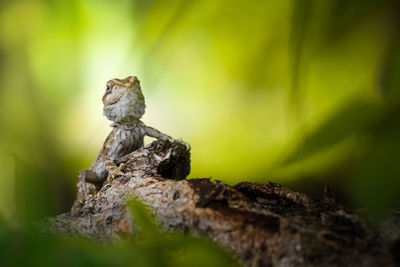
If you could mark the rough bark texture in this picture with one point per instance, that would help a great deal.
(264, 224)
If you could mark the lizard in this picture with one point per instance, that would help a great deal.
(124, 105)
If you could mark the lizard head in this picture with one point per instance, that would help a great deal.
(123, 100)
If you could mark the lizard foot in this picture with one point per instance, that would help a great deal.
(179, 140)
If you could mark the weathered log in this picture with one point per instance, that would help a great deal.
(264, 224)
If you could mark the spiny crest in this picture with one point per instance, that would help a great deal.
(128, 82)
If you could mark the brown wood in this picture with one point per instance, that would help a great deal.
(264, 224)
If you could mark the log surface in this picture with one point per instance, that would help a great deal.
(264, 224)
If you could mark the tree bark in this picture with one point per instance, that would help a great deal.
(264, 224)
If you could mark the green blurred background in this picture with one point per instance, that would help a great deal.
(304, 93)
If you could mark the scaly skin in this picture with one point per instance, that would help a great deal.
(124, 105)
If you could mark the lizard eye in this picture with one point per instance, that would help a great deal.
(108, 88)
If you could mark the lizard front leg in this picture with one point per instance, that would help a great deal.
(149, 131)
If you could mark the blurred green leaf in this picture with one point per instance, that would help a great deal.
(376, 175)
(355, 118)
(176, 249)
(390, 79)
(28, 246)
(301, 19)
(144, 220)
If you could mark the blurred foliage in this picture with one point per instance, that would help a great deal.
(177, 249)
(302, 92)
(26, 246)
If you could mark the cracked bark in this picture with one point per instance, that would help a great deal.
(264, 224)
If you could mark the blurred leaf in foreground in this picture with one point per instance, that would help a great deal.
(176, 249)
(151, 248)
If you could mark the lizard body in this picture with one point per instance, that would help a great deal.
(124, 105)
